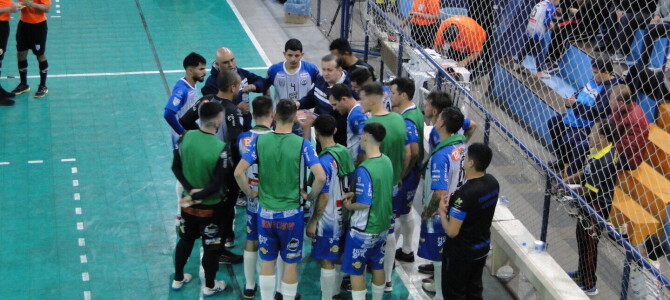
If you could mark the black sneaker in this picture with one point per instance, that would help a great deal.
(430, 279)
(230, 258)
(250, 293)
(42, 91)
(279, 296)
(402, 256)
(6, 94)
(346, 285)
(427, 269)
(20, 89)
(6, 102)
(337, 297)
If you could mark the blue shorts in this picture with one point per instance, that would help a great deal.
(252, 220)
(280, 233)
(431, 240)
(402, 201)
(395, 193)
(327, 248)
(361, 249)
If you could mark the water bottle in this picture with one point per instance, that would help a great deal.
(503, 201)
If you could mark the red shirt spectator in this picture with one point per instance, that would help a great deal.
(632, 126)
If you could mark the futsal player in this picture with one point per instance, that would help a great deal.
(31, 34)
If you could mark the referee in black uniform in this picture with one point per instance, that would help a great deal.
(7, 7)
(31, 34)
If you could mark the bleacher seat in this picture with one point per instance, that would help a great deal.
(648, 187)
(658, 150)
(664, 117)
(627, 212)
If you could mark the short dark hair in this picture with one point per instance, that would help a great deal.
(285, 110)
(609, 131)
(450, 34)
(341, 45)
(325, 125)
(339, 90)
(404, 85)
(622, 93)
(603, 64)
(377, 131)
(481, 155)
(331, 57)
(293, 45)
(262, 106)
(373, 88)
(360, 76)
(193, 60)
(226, 79)
(440, 100)
(453, 118)
(208, 111)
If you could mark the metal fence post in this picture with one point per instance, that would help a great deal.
(400, 42)
(625, 278)
(487, 129)
(545, 210)
(318, 13)
(367, 36)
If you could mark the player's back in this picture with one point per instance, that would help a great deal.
(279, 170)
(292, 86)
(393, 144)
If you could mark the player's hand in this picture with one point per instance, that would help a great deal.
(303, 194)
(444, 205)
(244, 107)
(655, 19)
(193, 191)
(16, 6)
(311, 229)
(249, 88)
(297, 104)
(569, 102)
(186, 201)
(28, 3)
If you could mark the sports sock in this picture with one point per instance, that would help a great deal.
(44, 68)
(377, 291)
(250, 258)
(327, 278)
(389, 256)
(23, 71)
(267, 284)
(289, 290)
(438, 280)
(358, 295)
(407, 226)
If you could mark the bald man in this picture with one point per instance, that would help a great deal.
(224, 59)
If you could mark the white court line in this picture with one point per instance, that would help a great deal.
(55, 16)
(68, 159)
(82, 242)
(85, 277)
(75, 182)
(77, 196)
(80, 225)
(83, 259)
(249, 33)
(116, 74)
(87, 295)
(4, 162)
(77, 210)
(74, 170)
(35, 161)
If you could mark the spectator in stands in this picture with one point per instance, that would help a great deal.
(658, 27)
(568, 130)
(340, 47)
(464, 38)
(580, 21)
(539, 22)
(424, 18)
(597, 181)
(630, 15)
(632, 127)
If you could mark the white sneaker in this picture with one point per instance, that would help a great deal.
(177, 285)
(219, 286)
(230, 243)
(241, 201)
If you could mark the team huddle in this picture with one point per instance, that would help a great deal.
(352, 200)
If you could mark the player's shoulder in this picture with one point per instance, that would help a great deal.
(308, 66)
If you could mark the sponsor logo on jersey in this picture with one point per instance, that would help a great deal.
(293, 245)
(262, 239)
(457, 153)
(357, 265)
(210, 230)
(263, 250)
(303, 81)
(214, 241)
(282, 82)
(248, 229)
(358, 253)
(458, 202)
(335, 249)
(293, 255)
(246, 142)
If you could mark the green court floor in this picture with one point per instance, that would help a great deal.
(87, 192)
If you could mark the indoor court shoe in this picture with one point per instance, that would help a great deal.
(230, 258)
(572, 275)
(388, 287)
(219, 286)
(6, 94)
(427, 269)
(428, 287)
(590, 292)
(20, 89)
(279, 296)
(177, 285)
(6, 102)
(405, 257)
(250, 293)
(230, 243)
(42, 91)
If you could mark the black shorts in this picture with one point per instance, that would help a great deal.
(208, 228)
(4, 36)
(31, 37)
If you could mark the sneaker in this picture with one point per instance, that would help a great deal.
(6, 102)
(250, 293)
(337, 297)
(543, 75)
(388, 287)
(177, 285)
(230, 258)
(428, 279)
(42, 91)
(279, 296)
(6, 94)
(346, 285)
(219, 286)
(590, 292)
(428, 287)
(573, 275)
(241, 200)
(427, 269)
(402, 256)
(20, 89)
(230, 243)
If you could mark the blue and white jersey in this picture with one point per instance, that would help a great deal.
(330, 224)
(355, 123)
(434, 137)
(540, 19)
(444, 172)
(291, 86)
(359, 218)
(244, 141)
(586, 97)
(182, 98)
(387, 98)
